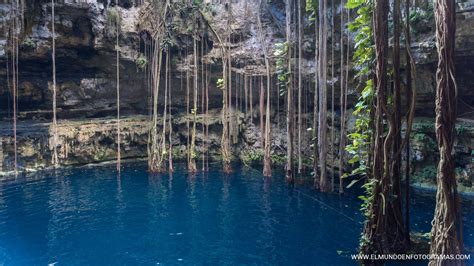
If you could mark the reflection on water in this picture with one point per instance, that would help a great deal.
(92, 216)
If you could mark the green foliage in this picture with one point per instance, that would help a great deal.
(364, 56)
(425, 141)
(420, 17)
(167, 42)
(278, 159)
(252, 157)
(362, 27)
(312, 8)
(194, 154)
(28, 44)
(220, 84)
(424, 127)
(141, 61)
(460, 129)
(280, 53)
(366, 206)
(113, 18)
(360, 138)
(255, 157)
(426, 174)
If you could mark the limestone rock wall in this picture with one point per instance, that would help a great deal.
(86, 80)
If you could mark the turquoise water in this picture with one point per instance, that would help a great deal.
(90, 216)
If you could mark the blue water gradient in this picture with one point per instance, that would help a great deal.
(90, 216)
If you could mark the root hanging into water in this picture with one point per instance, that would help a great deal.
(446, 234)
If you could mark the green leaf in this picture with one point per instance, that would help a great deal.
(353, 182)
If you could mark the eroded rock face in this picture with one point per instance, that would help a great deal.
(86, 51)
(93, 141)
(425, 155)
(86, 78)
(85, 60)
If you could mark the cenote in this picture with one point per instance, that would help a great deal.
(236, 132)
(92, 216)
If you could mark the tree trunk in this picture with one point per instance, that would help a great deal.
(397, 139)
(446, 235)
(154, 156)
(384, 229)
(408, 98)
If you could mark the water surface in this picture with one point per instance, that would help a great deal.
(89, 216)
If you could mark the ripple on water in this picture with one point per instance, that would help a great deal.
(91, 216)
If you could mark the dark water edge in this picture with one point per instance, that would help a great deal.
(89, 215)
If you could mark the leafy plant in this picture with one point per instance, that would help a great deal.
(360, 138)
(29, 44)
(364, 56)
(420, 17)
(220, 83)
(113, 22)
(280, 53)
(251, 157)
(427, 173)
(141, 61)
